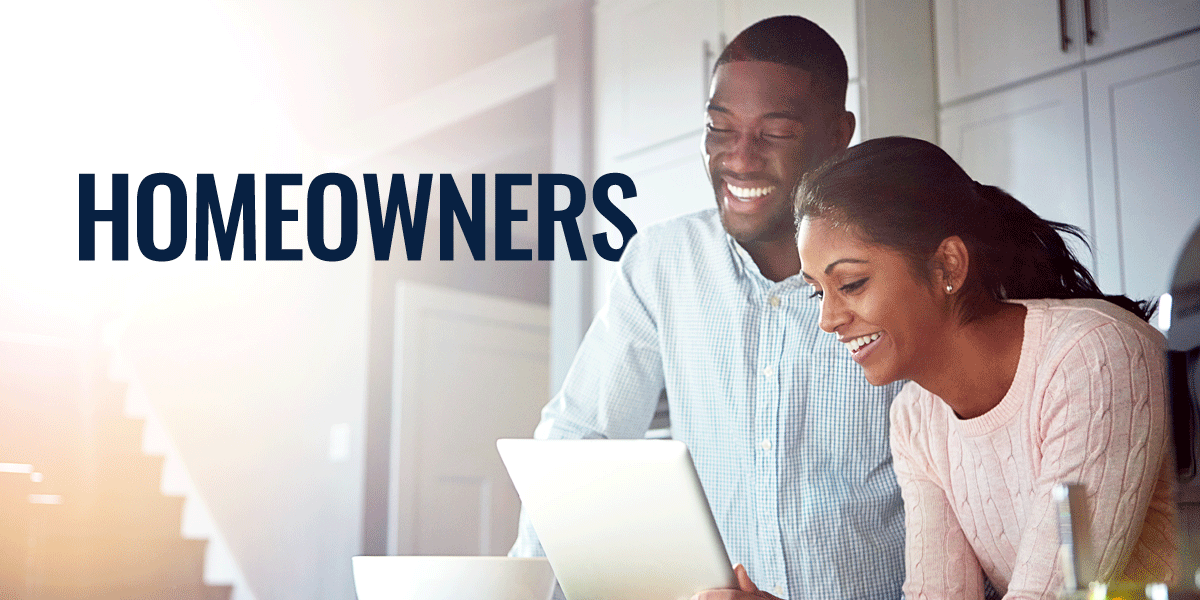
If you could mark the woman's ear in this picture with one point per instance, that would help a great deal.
(952, 260)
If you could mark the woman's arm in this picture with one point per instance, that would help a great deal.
(939, 562)
(1103, 424)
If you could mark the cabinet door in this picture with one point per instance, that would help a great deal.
(1145, 142)
(653, 63)
(1121, 24)
(982, 44)
(1030, 142)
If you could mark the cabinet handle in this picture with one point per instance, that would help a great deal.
(707, 67)
(710, 60)
(706, 53)
(1087, 21)
(1064, 34)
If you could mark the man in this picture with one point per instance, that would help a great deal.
(789, 440)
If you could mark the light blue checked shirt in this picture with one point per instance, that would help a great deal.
(789, 439)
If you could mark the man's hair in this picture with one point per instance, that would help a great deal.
(797, 42)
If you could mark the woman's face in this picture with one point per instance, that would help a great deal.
(891, 321)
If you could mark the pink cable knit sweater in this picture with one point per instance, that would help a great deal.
(1087, 405)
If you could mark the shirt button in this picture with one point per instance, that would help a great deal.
(765, 444)
(774, 301)
(778, 591)
(768, 371)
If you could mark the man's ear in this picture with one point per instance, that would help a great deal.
(844, 129)
(952, 261)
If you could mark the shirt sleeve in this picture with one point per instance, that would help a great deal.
(939, 562)
(1103, 424)
(614, 383)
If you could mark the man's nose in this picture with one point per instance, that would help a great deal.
(743, 155)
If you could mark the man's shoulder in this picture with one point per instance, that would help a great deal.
(684, 236)
(682, 255)
(704, 224)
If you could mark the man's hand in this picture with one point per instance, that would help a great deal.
(747, 590)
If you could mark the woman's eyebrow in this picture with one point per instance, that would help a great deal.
(843, 260)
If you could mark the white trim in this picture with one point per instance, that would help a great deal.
(220, 568)
(492, 84)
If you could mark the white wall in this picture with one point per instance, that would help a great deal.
(249, 364)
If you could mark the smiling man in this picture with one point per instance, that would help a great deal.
(789, 439)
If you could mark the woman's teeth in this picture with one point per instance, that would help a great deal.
(749, 193)
(859, 342)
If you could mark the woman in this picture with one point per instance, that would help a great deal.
(1023, 374)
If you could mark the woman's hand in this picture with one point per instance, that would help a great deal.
(746, 589)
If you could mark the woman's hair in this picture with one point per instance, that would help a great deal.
(909, 195)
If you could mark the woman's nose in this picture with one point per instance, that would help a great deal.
(833, 314)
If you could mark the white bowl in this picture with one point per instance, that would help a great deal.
(452, 578)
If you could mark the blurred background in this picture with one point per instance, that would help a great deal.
(240, 429)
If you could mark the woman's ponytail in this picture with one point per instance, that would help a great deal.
(1033, 258)
(909, 195)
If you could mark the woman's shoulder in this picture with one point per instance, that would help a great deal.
(1066, 322)
(914, 410)
(1072, 340)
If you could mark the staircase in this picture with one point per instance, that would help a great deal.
(81, 511)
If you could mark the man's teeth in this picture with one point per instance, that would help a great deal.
(859, 342)
(749, 193)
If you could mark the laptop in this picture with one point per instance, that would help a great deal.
(619, 519)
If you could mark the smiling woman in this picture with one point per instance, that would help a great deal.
(1023, 373)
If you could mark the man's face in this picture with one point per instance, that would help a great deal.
(765, 129)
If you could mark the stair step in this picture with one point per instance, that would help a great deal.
(114, 536)
(46, 591)
(158, 520)
(218, 592)
(103, 562)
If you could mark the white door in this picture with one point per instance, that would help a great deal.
(1145, 142)
(468, 369)
(1029, 141)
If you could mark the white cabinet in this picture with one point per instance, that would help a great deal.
(1144, 116)
(1121, 24)
(1112, 147)
(983, 45)
(1031, 142)
(653, 59)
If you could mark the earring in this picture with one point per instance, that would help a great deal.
(949, 289)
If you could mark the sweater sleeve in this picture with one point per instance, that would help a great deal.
(1103, 423)
(939, 562)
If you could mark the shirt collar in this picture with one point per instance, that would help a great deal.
(746, 267)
